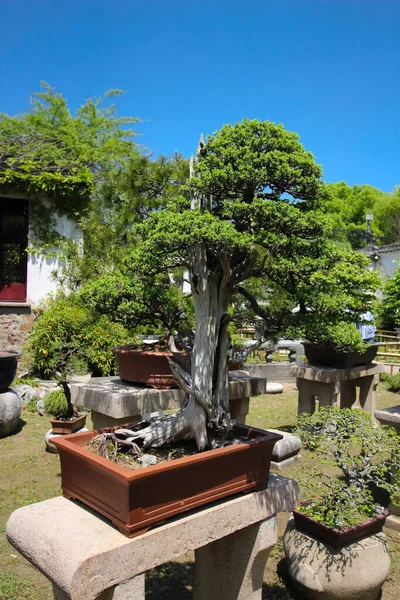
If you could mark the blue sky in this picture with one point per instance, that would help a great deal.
(327, 69)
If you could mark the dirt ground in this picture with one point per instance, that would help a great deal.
(29, 474)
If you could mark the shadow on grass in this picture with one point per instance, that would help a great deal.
(175, 581)
(20, 425)
(170, 581)
(287, 428)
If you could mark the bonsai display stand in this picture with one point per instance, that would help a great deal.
(113, 401)
(336, 387)
(86, 557)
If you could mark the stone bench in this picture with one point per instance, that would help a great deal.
(113, 401)
(336, 386)
(86, 558)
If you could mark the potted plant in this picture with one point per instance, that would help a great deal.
(354, 463)
(336, 344)
(70, 367)
(230, 224)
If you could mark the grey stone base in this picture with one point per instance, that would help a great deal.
(393, 522)
(283, 464)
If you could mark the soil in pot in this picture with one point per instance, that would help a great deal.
(135, 457)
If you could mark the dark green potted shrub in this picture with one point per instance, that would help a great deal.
(336, 534)
(336, 344)
(345, 508)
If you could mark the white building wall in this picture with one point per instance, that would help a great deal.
(40, 281)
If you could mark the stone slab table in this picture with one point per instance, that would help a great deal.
(336, 386)
(113, 401)
(86, 558)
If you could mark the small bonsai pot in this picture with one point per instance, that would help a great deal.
(137, 499)
(326, 356)
(65, 426)
(337, 538)
(8, 368)
(149, 367)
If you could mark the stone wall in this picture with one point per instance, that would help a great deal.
(15, 324)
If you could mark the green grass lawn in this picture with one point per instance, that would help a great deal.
(29, 474)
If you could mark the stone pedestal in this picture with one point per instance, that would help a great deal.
(114, 402)
(87, 558)
(286, 451)
(320, 572)
(337, 387)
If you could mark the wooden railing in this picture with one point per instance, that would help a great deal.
(389, 349)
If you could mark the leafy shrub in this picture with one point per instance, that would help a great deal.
(392, 382)
(66, 323)
(342, 336)
(55, 403)
(31, 406)
(99, 339)
(367, 457)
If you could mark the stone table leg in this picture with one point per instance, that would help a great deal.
(347, 394)
(328, 394)
(368, 387)
(306, 403)
(100, 420)
(239, 409)
(232, 568)
(132, 589)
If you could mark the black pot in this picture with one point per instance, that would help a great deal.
(8, 368)
(327, 356)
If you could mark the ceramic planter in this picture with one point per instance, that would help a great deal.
(135, 500)
(60, 426)
(148, 367)
(8, 368)
(327, 356)
(337, 538)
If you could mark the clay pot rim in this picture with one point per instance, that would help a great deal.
(69, 444)
(379, 517)
(73, 420)
(9, 354)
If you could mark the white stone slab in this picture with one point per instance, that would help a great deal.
(83, 555)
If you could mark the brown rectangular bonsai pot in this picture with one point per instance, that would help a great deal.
(135, 500)
(65, 426)
(337, 538)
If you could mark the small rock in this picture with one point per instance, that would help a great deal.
(147, 460)
(274, 388)
(25, 392)
(10, 409)
(40, 407)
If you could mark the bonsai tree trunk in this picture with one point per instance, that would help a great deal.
(204, 415)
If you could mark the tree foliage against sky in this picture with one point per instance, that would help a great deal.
(347, 207)
(49, 151)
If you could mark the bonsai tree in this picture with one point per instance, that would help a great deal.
(251, 213)
(365, 457)
(70, 362)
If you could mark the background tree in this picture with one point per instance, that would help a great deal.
(346, 208)
(57, 157)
